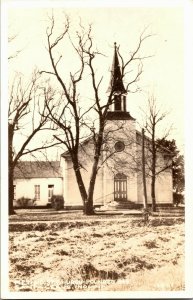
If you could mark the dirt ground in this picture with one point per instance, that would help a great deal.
(96, 254)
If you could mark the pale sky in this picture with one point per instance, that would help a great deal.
(163, 74)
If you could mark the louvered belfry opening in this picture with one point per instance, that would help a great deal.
(117, 110)
(120, 187)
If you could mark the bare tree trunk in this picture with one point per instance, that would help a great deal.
(143, 172)
(11, 191)
(89, 209)
(153, 194)
(11, 169)
(153, 170)
(80, 182)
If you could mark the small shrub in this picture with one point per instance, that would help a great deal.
(89, 272)
(164, 239)
(25, 202)
(61, 252)
(57, 202)
(151, 244)
(178, 199)
(135, 264)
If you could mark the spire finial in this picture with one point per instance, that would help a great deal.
(116, 82)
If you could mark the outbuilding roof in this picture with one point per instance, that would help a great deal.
(38, 169)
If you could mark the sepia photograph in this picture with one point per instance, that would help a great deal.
(94, 119)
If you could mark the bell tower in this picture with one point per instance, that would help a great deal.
(120, 179)
(118, 108)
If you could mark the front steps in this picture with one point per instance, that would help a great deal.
(126, 204)
(162, 209)
(121, 205)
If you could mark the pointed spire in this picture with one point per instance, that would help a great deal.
(116, 82)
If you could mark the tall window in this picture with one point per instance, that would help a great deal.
(14, 192)
(37, 192)
(50, 191)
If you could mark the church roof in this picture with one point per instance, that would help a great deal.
(116, 81)
(138, 135)
(82, 143)
(162, 148)
(37, 169)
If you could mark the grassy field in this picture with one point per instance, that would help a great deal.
(90, 254)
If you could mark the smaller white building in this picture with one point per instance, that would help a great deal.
(35, 182)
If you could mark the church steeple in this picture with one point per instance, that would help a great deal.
(117, 110)
(116, 82)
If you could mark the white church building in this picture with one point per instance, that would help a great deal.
(119, 179)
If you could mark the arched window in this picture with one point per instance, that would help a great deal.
(120, 187)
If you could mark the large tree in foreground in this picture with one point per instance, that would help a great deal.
(28, 118)
(77, 120)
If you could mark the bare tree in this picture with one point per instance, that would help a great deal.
(14, 53)
(157, 159)
(177, 168)
(28, 117)
(75, 122)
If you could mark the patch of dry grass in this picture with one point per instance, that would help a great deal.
(118, 254)
(166, 278)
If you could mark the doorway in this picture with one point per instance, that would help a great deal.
(120, 187)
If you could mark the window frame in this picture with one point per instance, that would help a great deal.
(51, 191)
(37, 192)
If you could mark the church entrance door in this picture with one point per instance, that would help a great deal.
(120, 187)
